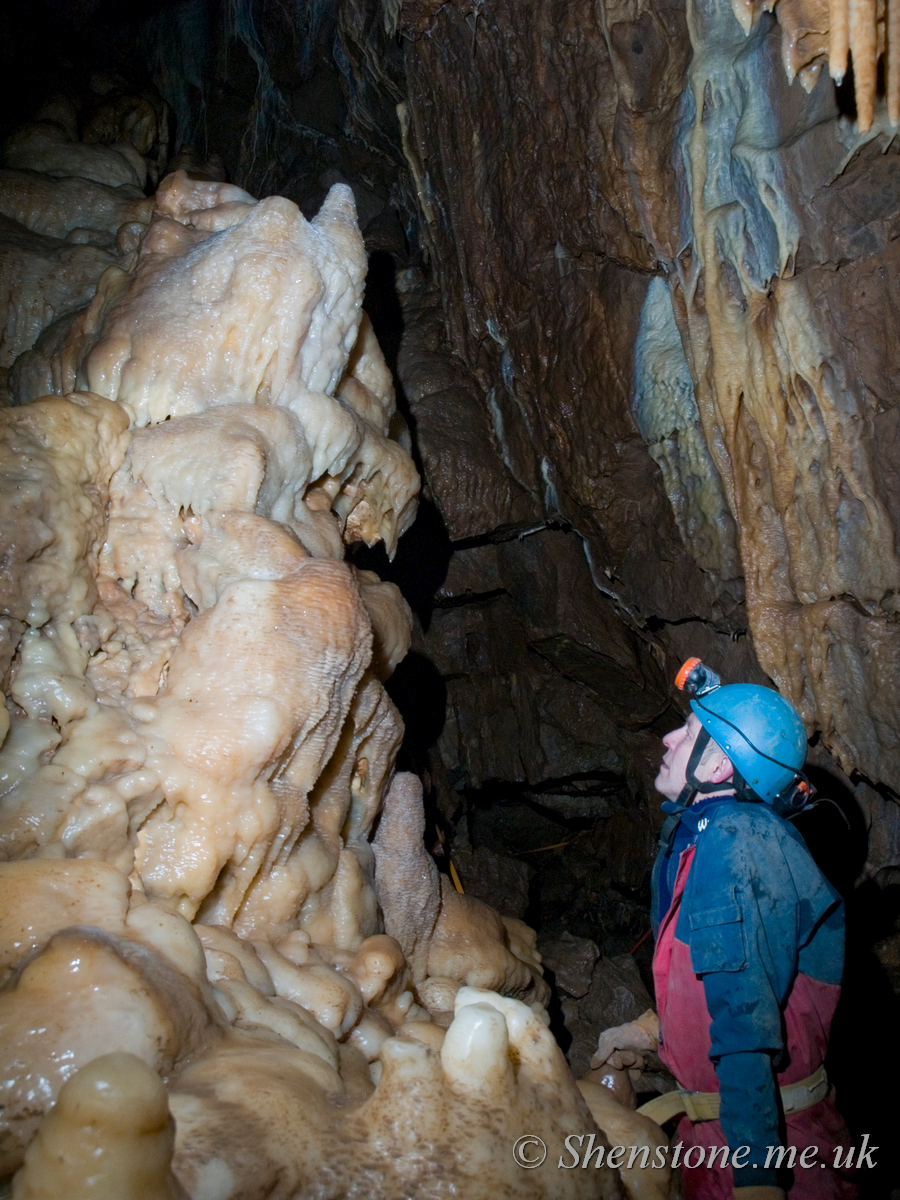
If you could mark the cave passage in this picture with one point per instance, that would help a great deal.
(394, 395)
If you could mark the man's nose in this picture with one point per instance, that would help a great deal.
(673, 737)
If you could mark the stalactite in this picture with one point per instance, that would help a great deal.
(838, 31)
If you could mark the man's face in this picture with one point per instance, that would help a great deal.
(679, 744)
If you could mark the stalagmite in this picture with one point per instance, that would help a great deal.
(450, 940)
(408, 880)
(109, 1137)
(624, 1127)
(199, 741)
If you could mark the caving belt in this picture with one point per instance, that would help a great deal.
(704, 1106)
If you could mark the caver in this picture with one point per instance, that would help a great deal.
(749, 948)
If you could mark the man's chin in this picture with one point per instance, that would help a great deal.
(663, 784)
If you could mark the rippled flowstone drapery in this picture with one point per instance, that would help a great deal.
(791, 403)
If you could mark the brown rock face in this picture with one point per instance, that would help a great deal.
(563, 161)
(542, 154)
(530, 150)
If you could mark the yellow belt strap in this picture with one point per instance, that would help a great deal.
(704, 1106)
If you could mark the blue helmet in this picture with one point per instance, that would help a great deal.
(758, 729)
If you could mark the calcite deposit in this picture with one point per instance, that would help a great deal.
(815, 33)
(214, 984)
(109, 1134)
(789, 422)
(69, 208)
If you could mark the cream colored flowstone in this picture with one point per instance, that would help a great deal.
(198, 743)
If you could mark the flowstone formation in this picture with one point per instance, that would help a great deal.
(790, 402)
(197, 743)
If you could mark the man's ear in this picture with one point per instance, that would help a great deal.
(720, 769)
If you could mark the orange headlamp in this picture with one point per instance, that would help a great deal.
(696, 679)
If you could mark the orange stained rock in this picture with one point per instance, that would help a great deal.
(864, 48)
(839, 44)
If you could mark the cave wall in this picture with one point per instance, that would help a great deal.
(645, 291)
(541, 155)
(647, 311)
(525, 157)
(646, 238)
(789, 400)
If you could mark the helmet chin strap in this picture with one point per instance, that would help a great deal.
(692, 783)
